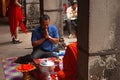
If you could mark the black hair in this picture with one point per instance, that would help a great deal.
(44, 17)
(73, 2)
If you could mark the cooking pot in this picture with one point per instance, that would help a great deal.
(46, 66)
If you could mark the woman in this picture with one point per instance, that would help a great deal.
(71, 13)
(15, 17)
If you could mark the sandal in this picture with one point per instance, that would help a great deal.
(16, 41)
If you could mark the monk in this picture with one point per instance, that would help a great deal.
(69, 63)
(15, 17)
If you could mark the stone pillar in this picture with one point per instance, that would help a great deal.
(103, 16)
(98, 38)
(54, 9)
(104, 37)
(31, 10)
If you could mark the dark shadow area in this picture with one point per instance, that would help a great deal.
(17, 78)
(4, 21)
(29, 48)
(20, 78)
(6, 43)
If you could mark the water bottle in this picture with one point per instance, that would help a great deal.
(61, 65)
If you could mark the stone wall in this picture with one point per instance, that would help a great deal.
(102, 67)
(103, 24)
(104, 38)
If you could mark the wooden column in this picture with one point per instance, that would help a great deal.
(83, 39)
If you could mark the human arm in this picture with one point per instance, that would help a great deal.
(40, 35)
(17, 3)
(54, 39)
(68, 12)
(38, 42)
(74, 12)
(71, 13)
(37, 37)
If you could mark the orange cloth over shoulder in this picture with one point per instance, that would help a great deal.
(69, 63)
(15, 17)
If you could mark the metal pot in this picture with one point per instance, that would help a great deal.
(46, 66)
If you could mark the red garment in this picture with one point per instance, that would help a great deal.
(69, 63)
(15, 17)
(64, 7)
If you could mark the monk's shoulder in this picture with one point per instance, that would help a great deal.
(73, 45)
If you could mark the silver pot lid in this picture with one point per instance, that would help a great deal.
(46, 63)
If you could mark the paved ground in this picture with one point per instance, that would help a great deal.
(7, 49)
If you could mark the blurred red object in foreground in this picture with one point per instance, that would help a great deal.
(25, 67)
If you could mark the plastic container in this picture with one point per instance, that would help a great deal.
(61, 53)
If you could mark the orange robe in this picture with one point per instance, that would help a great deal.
(69, 63)
(15, 17)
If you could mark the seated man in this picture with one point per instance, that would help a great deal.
(44, 38)
(71, 17)
(69, 63)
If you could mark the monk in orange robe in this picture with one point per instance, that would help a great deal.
(15, 17)
(69, 63)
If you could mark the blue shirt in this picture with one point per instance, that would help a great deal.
(46, 45)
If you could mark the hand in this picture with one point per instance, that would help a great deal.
(46, 34)
(74, 11)
(20, 5)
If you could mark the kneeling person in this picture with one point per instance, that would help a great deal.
(44, 38)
